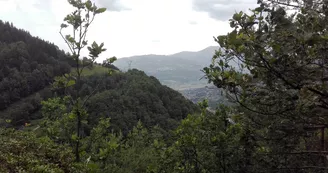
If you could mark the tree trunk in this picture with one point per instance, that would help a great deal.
(77, 147)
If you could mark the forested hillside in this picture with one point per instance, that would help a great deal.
(30, 65)
(181, 71)
(132, 96)
(27, 64)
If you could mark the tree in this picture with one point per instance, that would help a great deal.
(281, 82)
(206, 142)
(28, 65)
(23, 151)
(79, 21)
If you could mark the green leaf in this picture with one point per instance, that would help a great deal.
(68, 18)
(110, 72)
(63, 25)
(72, 116)
(112, 59)
(259, 9)
(74, 137)
(84, 122)
(100, 10)
(237, 16)
(88, 4)
(94, 45)
(70, 38)
(70, 83)
(92, 166)
(221, 63)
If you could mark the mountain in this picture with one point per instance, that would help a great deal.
(178, 71)
(132, 96)
(28, 66)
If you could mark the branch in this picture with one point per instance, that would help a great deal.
(255, 111)
(283, 3)
(69, 46)
(295, 6)
(84, 34)
(91, 94)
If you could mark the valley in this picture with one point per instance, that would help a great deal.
(180, 71)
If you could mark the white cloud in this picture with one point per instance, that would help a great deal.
(223, 9)
(112, 5)
(148, 27)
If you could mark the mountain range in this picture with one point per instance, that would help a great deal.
(179, 71)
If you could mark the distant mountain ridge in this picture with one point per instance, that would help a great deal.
(178, 71)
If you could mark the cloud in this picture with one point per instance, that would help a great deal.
(112, 5)
(222, 9)
(156, 41)
(42, 4)
(150, 27)
(191, 22)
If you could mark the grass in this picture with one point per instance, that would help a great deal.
(96, 69)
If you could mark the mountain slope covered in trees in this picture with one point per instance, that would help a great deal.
(180, 71)
(29, 65)
(129, 97)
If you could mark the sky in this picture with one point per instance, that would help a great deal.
(132, 27)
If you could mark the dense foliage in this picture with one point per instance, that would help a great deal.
(24, 152)
(27, 64)
(132, 96)
(282, 83)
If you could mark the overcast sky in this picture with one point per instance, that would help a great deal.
(133, 27)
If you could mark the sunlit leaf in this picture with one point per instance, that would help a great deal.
(70, 83)
(100, 10)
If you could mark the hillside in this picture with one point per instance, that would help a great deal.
(129, 97)
(211, 93)
(180, 71)
(29, 65)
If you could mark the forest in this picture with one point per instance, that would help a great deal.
(63, 112)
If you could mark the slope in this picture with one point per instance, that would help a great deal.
(132, 96)
(180, 71)
(29, 65)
